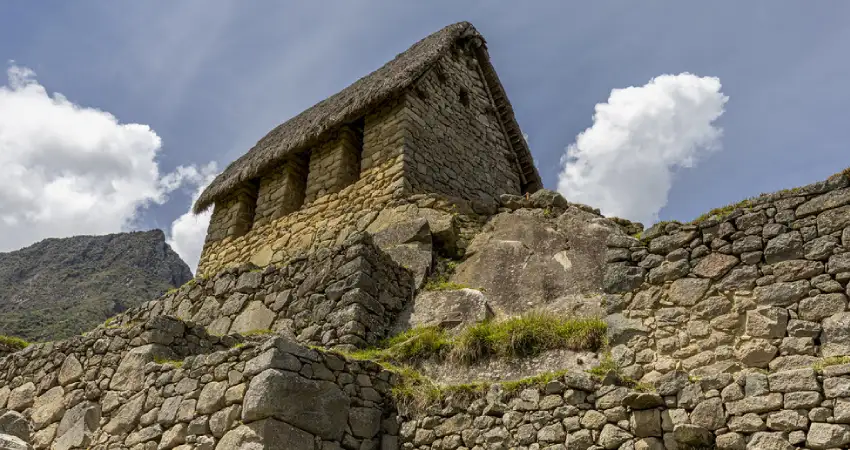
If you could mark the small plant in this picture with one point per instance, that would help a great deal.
(830, 361)
(258, 332)
(14, 343)
(171, 362)
(606, 364)
(547, 212)
(536, 381)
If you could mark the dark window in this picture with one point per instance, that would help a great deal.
(464, 96)
(245, 209)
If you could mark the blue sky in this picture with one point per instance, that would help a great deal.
(212, 77)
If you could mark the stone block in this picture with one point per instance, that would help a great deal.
(318, 407)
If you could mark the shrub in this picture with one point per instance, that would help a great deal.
(14, 343)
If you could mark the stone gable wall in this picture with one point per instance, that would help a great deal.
(347, 296)
(327, 220)
(454, 148)
(426, 141)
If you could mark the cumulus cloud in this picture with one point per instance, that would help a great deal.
(67, 169)
(189, 231)
(624, 163)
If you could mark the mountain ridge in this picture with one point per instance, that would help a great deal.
(59, 287)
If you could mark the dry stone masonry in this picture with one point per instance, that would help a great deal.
(346, 297)
(137, 388)
(731, 332)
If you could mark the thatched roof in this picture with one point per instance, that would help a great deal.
(309, 127)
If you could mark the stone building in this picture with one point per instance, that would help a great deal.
(434, 120)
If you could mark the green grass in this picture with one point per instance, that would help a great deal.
(258, 332)
(171, 362)
(528, 335)
(411, 346)
(521, 336)
(724, 211)
(417, 392)
(537, 381)
(830, 361)
(607, 364)
(14, 343)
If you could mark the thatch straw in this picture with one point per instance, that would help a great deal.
(309, 127)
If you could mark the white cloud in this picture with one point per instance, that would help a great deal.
(67, 170)
(189, 231)
(624, 163)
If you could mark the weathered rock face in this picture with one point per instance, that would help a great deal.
(533, 259)
(61, 287)
(448, 309)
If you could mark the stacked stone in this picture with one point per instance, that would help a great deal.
(765, 286)
(572, 412)
(347, 296)
(281, 192)
(65, 389)
(456, 148)
(139, 388)
(748, 410)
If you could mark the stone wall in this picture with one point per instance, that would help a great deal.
(334, 165)
(323, 221)
(167, 384)
(763, 286)
(346, 296)
(282, 191)
(748, 410)
(457, 145)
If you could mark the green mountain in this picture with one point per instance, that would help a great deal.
(62, 287)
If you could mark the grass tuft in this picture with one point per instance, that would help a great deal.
(14, 343)
(540, 380)
(607, 365)
(258, 332)
(522, 336)
(830, 361)
(171, 362)
(528, 335)
(413, 345)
